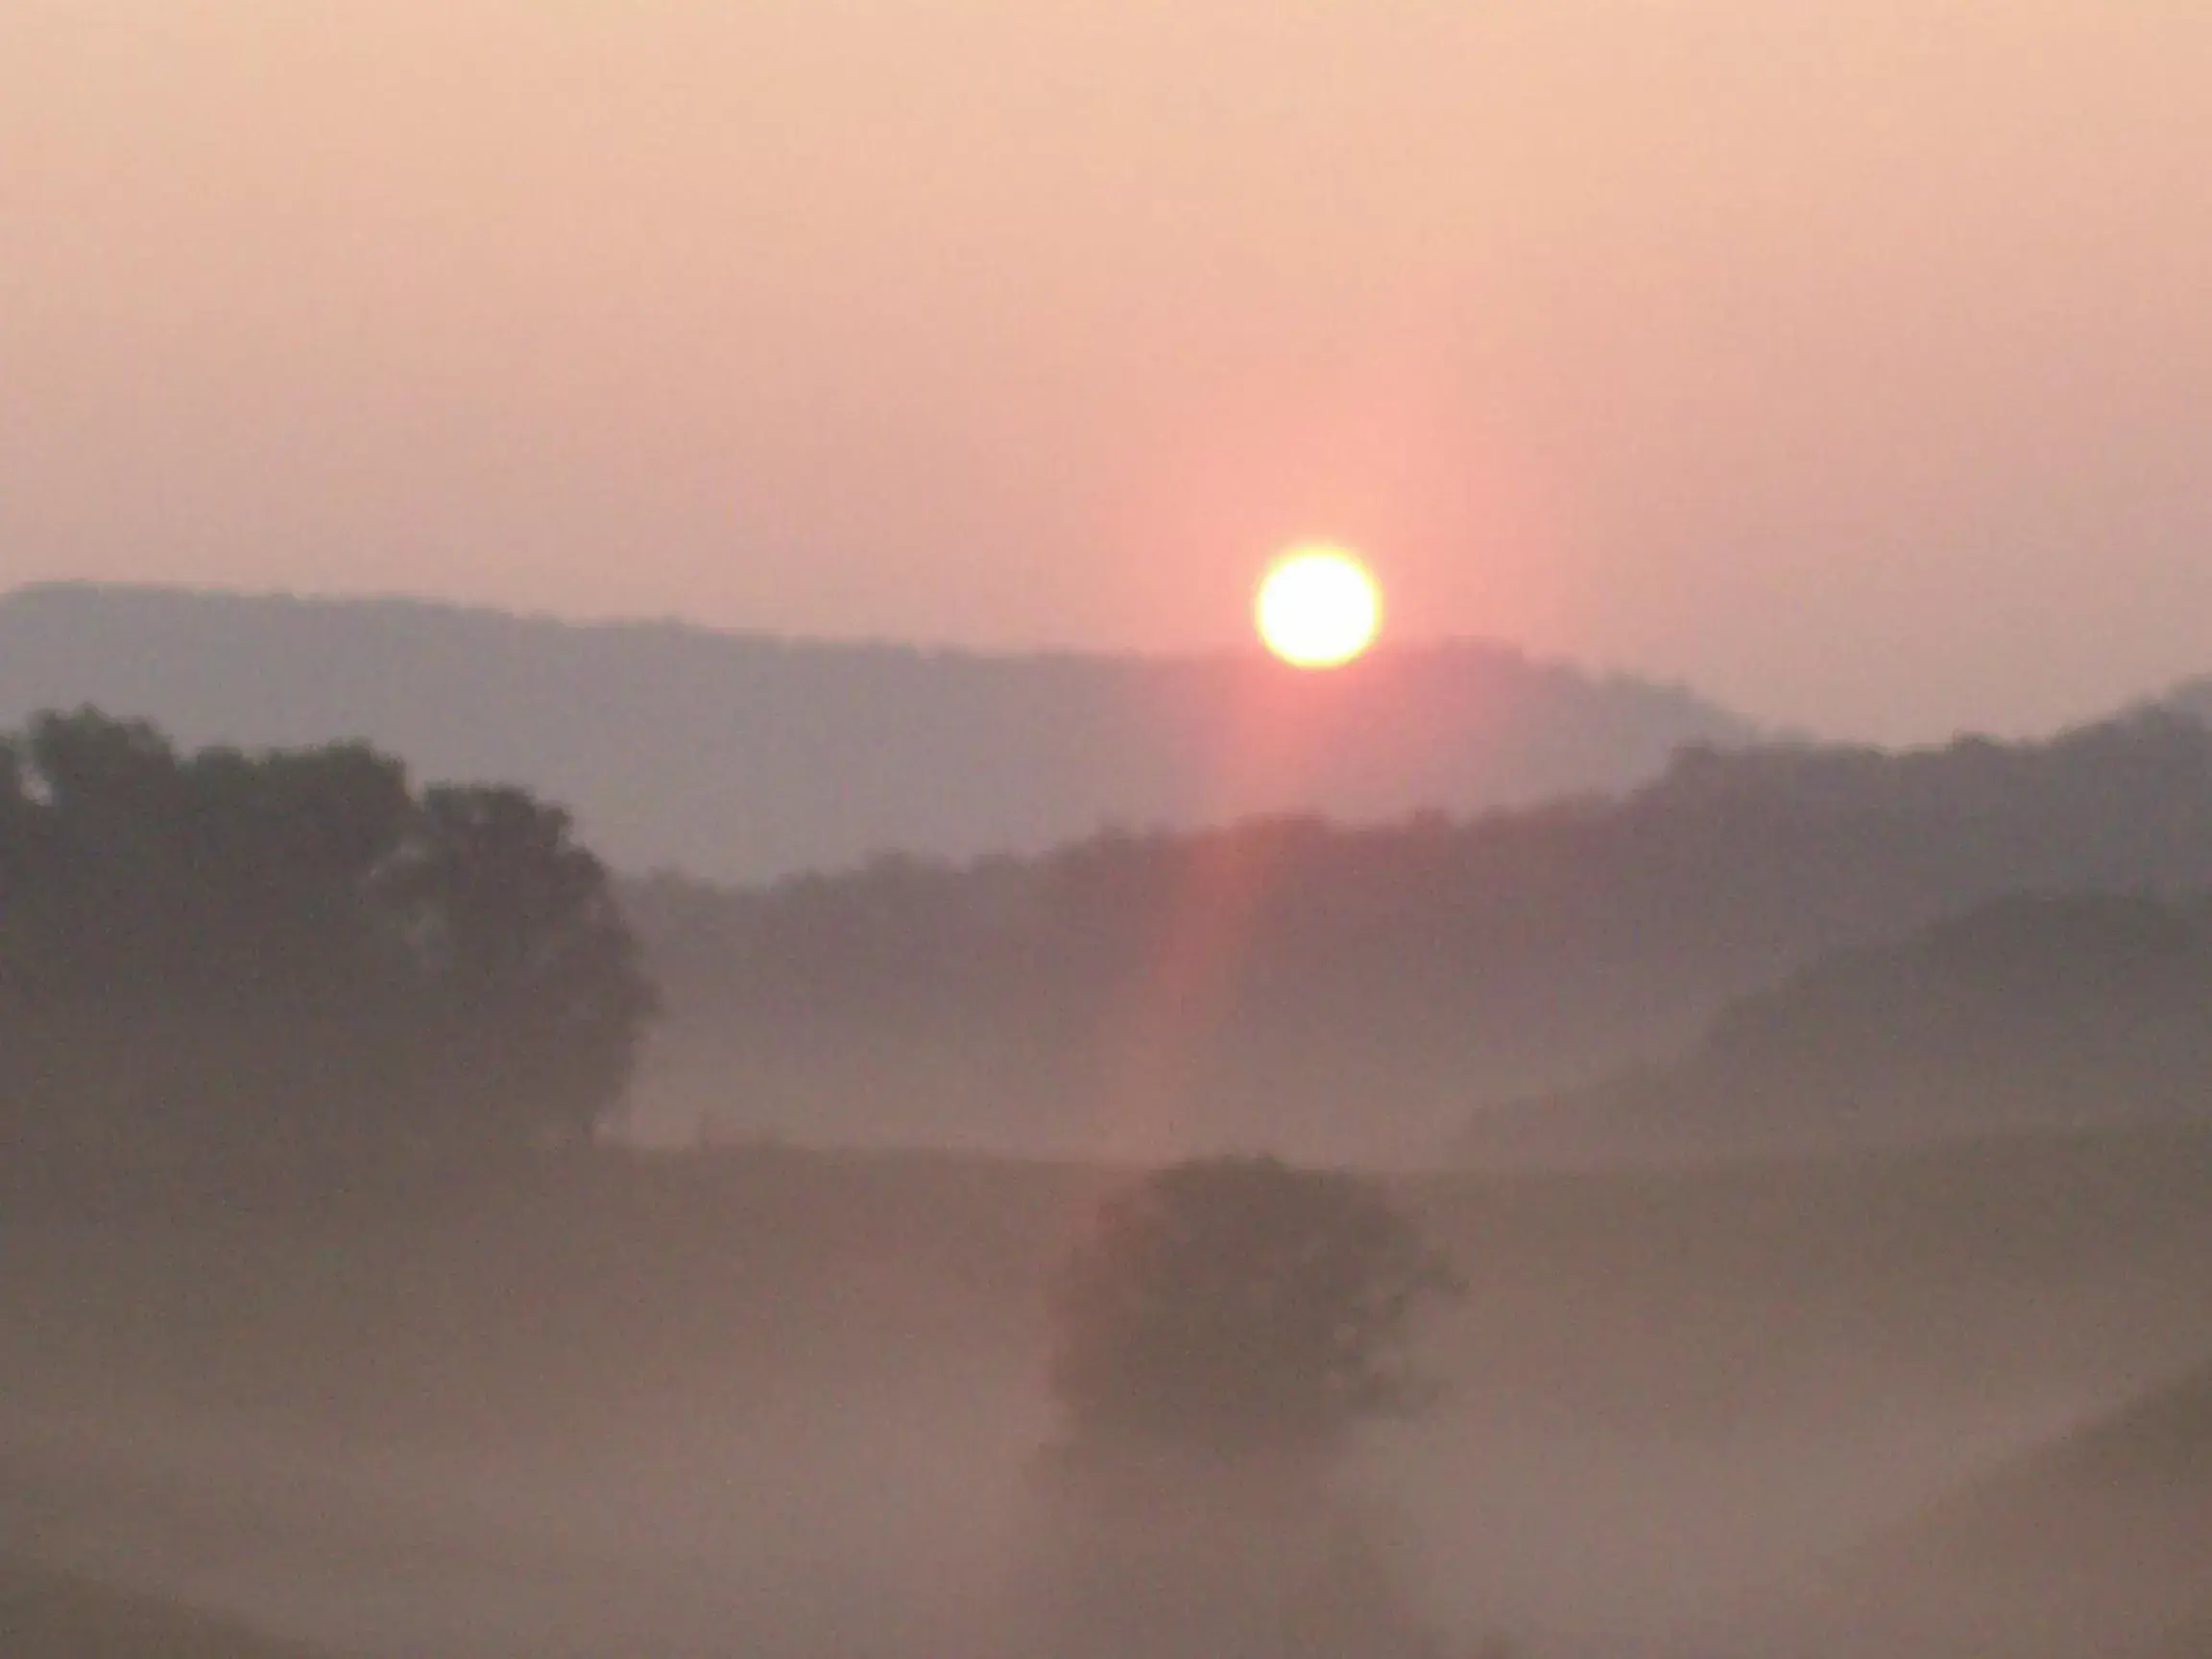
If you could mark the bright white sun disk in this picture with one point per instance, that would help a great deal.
(1317, 608)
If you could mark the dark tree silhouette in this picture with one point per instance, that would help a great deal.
(538, 996)
(289, 958)
(1239, 1307)
(1221, 1335)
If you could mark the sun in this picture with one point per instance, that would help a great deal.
(1317, 608)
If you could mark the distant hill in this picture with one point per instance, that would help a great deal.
(745, 756)
(1355, 992)
(2026, 1013)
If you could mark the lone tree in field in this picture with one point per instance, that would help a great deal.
(1218, 1339)
(1230, 1309)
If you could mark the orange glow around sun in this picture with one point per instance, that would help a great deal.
(1317, 608)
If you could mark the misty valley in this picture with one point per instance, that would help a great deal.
(1757, 1210)
(1159, 829)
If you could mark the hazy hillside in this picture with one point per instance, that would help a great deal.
(1356, 993)
(2025, 1013)
(2192, 697)
(741, 756)
(2191, 1639)
(2093, 1543)
(48, 1615)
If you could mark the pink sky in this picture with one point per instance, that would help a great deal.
(1848, 358)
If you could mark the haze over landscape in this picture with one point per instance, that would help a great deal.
(675, 981)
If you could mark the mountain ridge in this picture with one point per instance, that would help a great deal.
(743, 756)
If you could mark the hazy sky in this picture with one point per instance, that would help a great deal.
(1849, 358)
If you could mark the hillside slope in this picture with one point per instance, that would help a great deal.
(2190, 1640)
(46, 1615)
(1355, 993)
(2192, 698)
(2028, 1011)
(744, 757)
(2094, 1543)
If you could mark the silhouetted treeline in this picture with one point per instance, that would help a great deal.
(2029, 1013)
(1339, 992)
(292, 959)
